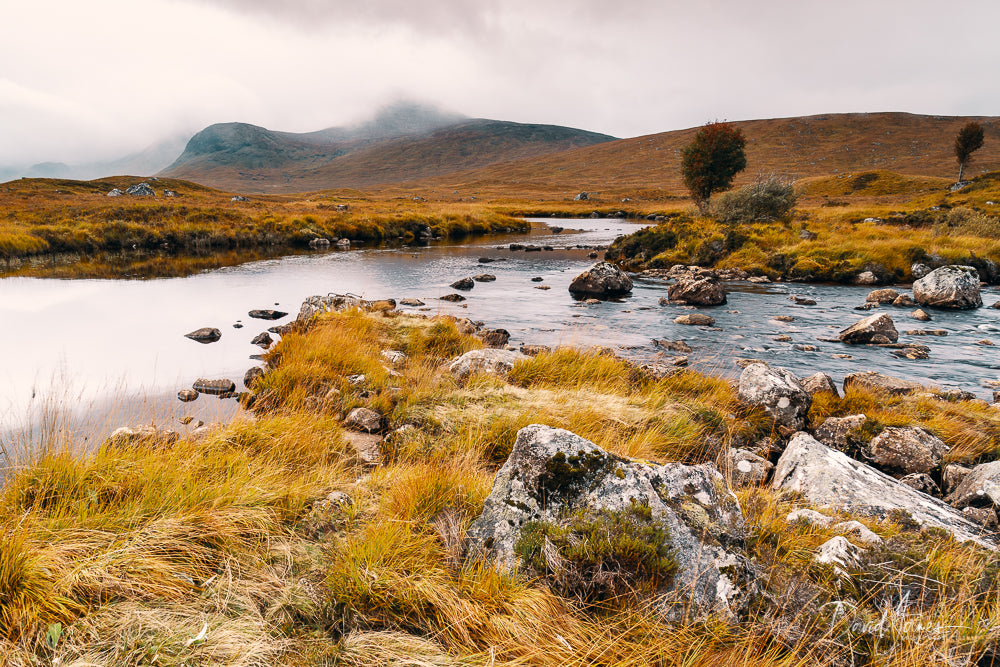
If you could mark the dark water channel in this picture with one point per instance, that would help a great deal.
(115, 350)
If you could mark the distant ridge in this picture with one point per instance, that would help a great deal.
(402, 143)
(797, 147)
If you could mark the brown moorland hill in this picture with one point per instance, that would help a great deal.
(797, 147)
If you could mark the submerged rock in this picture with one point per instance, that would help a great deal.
(555, 480)
(829, 478)
(205, 335)
(601, 280)
(953, 286)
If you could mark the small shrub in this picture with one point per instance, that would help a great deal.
(596, 556)
(764, 200)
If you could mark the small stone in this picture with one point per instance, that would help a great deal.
(453, 298)
(204, 335)
(922, 482)
(535, 350)
(820, 383)
(263, 339)
(484, 278)
(593, 302)
(494, 338)
(783, 318)
(695, 319)
(267, 314)
(364, 419)
(537, 279)
(802, 301)
(187, 395)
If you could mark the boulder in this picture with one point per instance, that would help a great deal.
(920, 315)
(904, 301)
(205, 335)
(878, 383)
(828, 478)
(882, 296)
(979, 488)
(778, 391)
(556, 478)
(698, 291)
(146, 435)
(866, 278)
(602, 280)
(874, 329)
(319, 242)
(239, 198)
(744, 468)
(922, 482)
(453, 298)
(845, 434)
(412, 302)
(343, 244)
(464, 284)
(115, 192)
(263, 339)
(364, 419)
(535, 350)
(494, 338)
(140, 190)
(953, 286)
(267, 314)
(484, 278)
(906, 450)
(492, 362)
(583, 196)
(695, 319)
(214, 387)
(820, 383)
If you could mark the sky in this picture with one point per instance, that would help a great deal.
(95, 80)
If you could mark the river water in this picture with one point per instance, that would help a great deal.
(115, 351)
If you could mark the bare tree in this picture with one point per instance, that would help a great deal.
(968, 141)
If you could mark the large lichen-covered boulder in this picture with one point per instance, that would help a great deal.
(490, 361)
(949, 287)
(906, 450)
(701, 290)
(602, 280)
(872, 330)
(778, 391)
(554, 478)
(829, 478)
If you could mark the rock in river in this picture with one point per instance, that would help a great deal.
(494, 338)
(695, 319)
(874, 329)
(267, 314)
(453, 298)
(555, 480)
(263, 339)
(698, 290)
(187, 395)
(829, 478)
(464, 284)
(205, 335)
(253, 374)
(214, 387)
(949, 287)
(882, 296)
(601, 280)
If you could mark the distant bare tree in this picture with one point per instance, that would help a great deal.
(968, 141)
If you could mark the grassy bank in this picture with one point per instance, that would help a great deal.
(45, 217)
(215, 551)
(876, 221)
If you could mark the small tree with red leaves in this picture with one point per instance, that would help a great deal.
(712, 160)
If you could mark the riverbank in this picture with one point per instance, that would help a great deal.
(315, 532)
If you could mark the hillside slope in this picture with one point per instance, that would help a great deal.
(237, 156)
(795, 147)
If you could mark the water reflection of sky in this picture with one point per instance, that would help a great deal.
(89, 339)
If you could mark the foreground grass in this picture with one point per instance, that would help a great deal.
(216, 551)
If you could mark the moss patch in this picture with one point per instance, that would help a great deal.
(565, 477)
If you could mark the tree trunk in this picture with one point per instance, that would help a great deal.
(961, 170)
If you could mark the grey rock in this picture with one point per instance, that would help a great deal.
(535, 350)
(844, 434)
(904, 301)
(140, 190)
(263, 339)
(841, 554)
(858, 532)
(253, 374)
(583, 196)
(778, 391)
(919, 270)
(922, 482)
(484, 278)
(464, 284)
(492, 362)
(695, 319)
(878, 383)
(494, 338)
(882, 296)
(952, 475)
(319, 242)
(866, 278)
(952, 286)
(874, 329)
(214, 387)
(205, 335)
(602, 280)
(828, 478)
(703, 518)
(673, 345)
(412, 302)
(979, 488)
(267, 314)
(147, 435)
(394, 356)
(187, 395)
(115, 192)
(745, 468)
(364, 419)
(239, 198)
(812, 517)
(705, 290)
(820, 383)
(906, 450)
(983, 516)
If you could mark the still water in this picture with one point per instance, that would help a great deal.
(116, 350)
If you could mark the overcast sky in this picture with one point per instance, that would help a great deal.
(93, 80)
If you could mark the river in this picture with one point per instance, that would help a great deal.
(100, 353)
